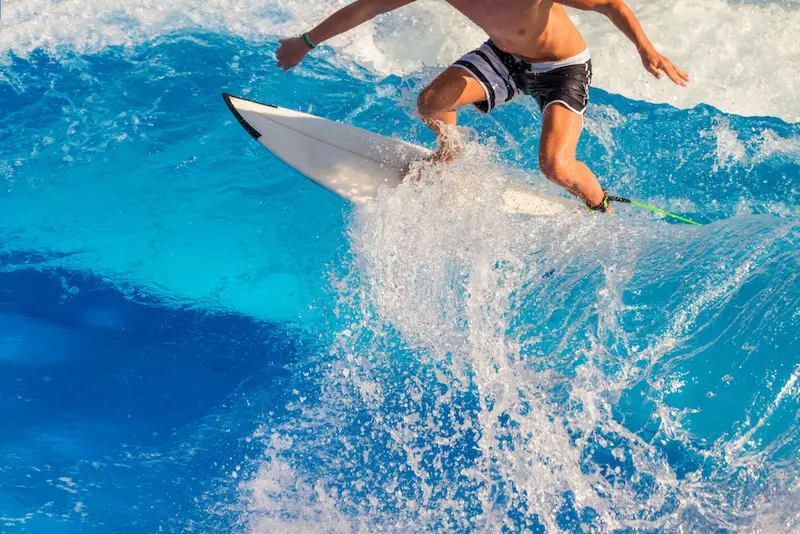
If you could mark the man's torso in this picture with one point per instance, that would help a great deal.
(535, 30)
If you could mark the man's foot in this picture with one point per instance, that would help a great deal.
(603, 205)
(413, 171)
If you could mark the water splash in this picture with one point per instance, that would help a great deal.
(501, 373)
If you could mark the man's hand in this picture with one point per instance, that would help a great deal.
(656, 64)
(291, 52)
(624, 19)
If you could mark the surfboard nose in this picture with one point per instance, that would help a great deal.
(229, 100)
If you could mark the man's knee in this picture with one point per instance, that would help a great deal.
(429, 104)
(555, 167)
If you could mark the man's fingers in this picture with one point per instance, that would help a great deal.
(658, 65)
(284, 55)
(672, 72)
(672, 75)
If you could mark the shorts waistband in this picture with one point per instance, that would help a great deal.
(547, 66)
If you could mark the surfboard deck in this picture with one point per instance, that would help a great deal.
(352, 162)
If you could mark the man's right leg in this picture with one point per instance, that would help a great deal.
(437, 104)
(561, 130)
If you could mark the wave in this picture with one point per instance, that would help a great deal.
(478, 369)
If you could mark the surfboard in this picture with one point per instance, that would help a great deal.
(352, 162)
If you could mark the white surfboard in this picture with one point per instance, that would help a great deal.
(355, 163)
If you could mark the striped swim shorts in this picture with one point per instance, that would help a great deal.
(504, 77)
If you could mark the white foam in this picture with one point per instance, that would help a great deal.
(730, 149)
(743, 58)
(768, 143)
(750, 147)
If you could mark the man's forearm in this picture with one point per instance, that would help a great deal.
(351, 16)
(623, 18)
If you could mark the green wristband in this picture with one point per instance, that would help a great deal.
(307, 40)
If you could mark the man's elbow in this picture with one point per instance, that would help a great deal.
(609, 7)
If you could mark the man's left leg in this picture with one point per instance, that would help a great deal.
(561, 129)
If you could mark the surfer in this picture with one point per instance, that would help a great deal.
(533, 49)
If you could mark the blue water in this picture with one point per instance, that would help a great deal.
(194, 337)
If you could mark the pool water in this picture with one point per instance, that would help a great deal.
(193, 337)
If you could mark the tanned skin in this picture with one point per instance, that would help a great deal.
(534, 30)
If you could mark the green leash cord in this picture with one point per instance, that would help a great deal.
(651, 208)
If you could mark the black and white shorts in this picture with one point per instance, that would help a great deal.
(505, 77)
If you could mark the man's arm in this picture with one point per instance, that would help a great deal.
(624, 19)
(293, 50)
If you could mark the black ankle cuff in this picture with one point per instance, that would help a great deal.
(603, 206)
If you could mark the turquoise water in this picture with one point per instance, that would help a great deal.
(194, 337)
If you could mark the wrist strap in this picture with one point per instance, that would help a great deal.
(307, 40)
(603, 206)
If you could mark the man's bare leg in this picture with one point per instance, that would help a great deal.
(561, 129)
(437, 104)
